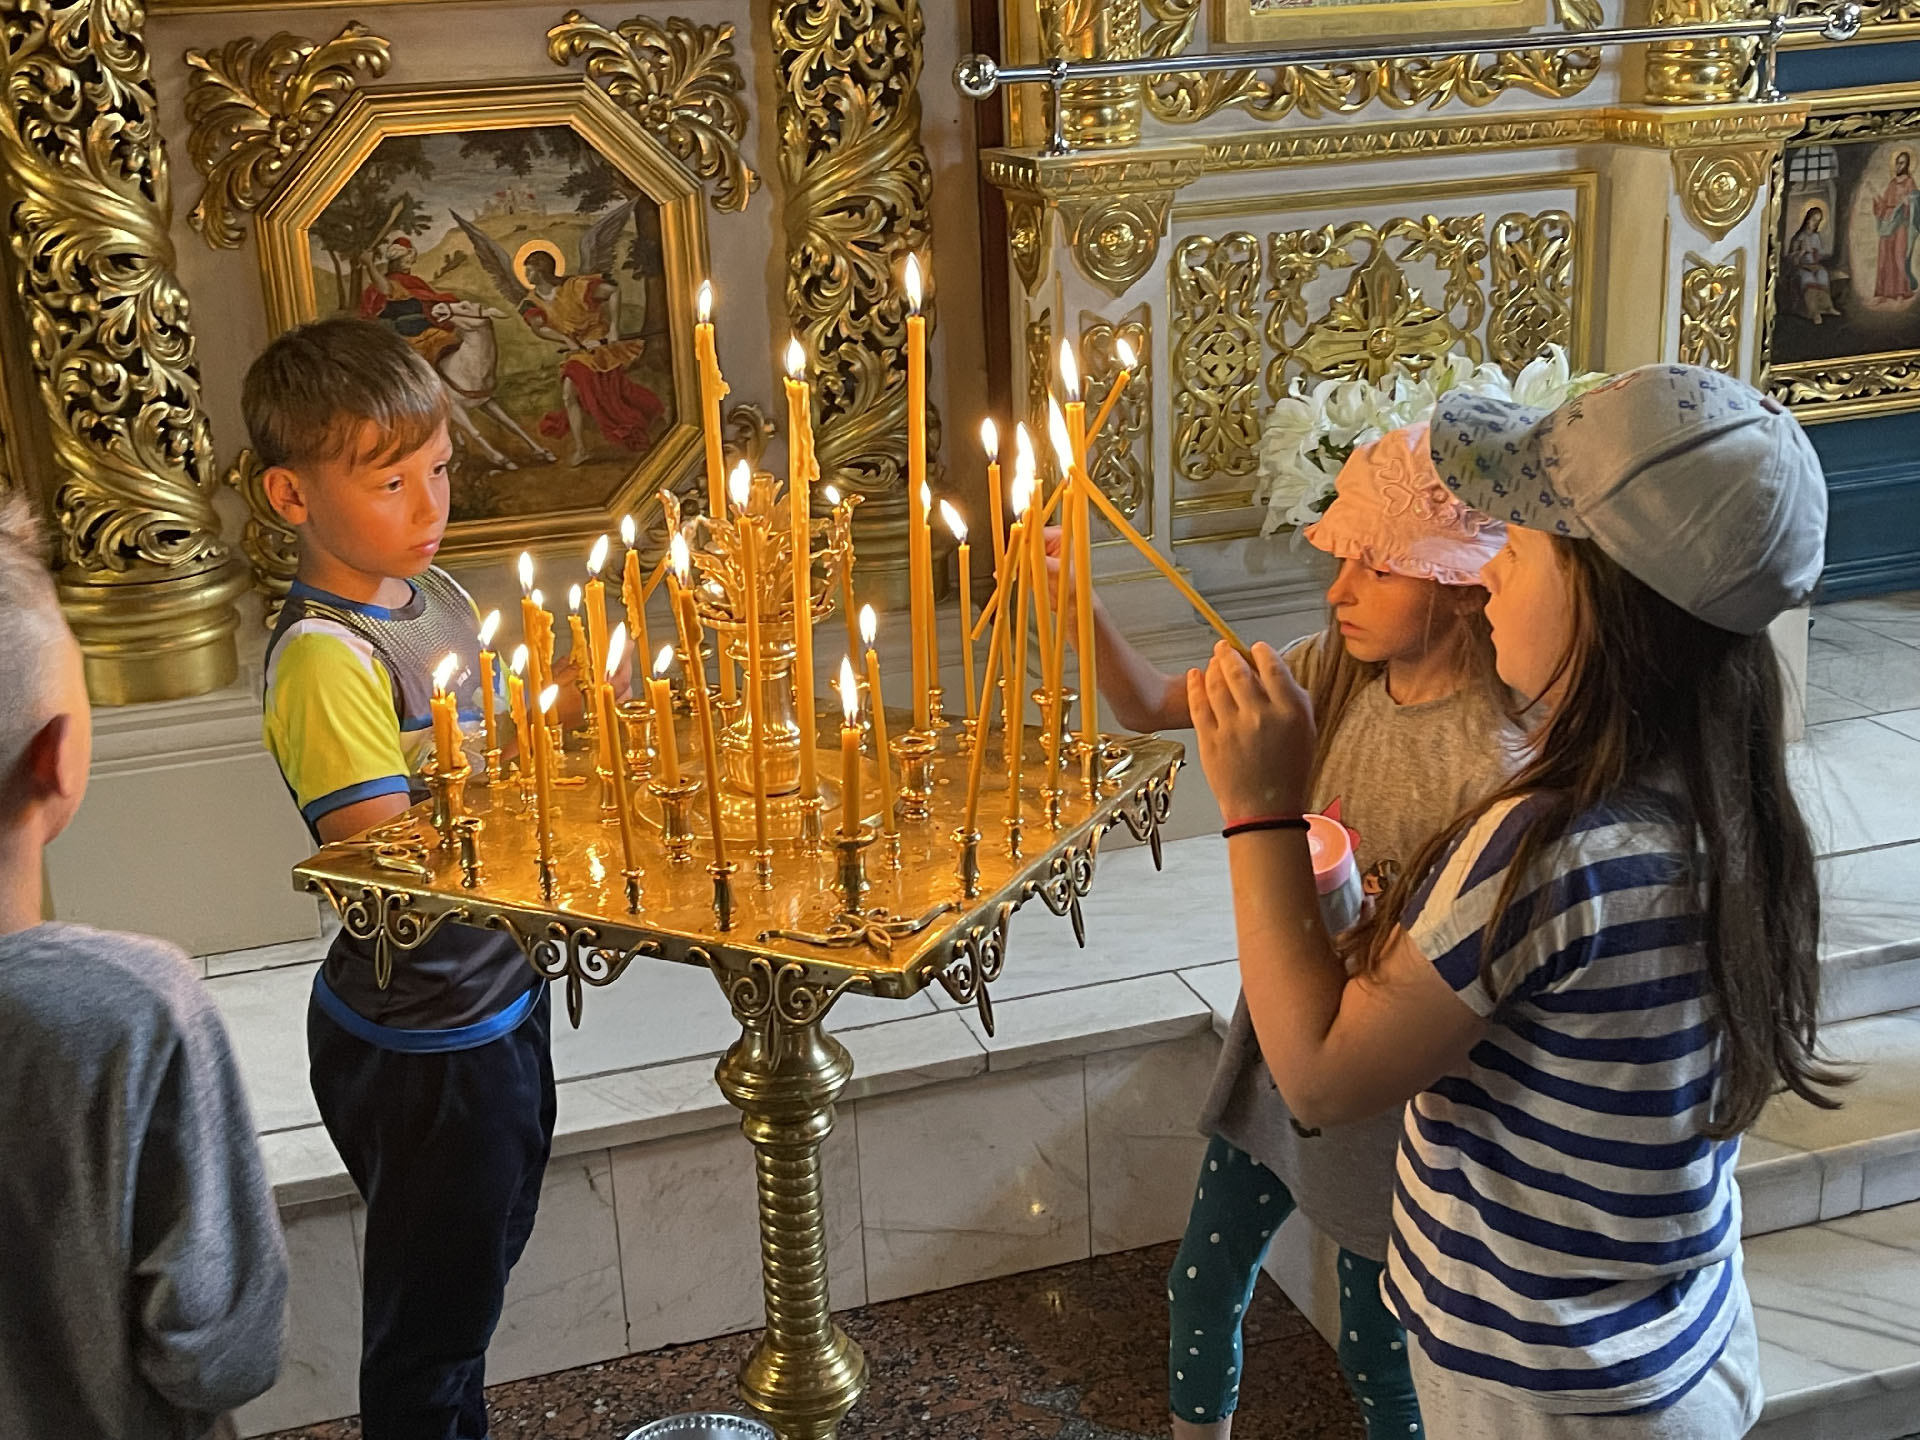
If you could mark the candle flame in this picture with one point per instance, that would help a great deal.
(627, 531)
(1022, 493)
(926, 498)
(489, 627)
(832, 492)
(679, 558)
(539, 600)
(704, 303)
(913, 282)
(869, 625)
(1023, 447)
(1069, 370)
(443, 672)
(547, 697)
(849, 691)
(990, 439)
(520, 657)
(616, 648)
(663, 662)
(573, 601)
(1057, 428)
(598, 557)
(526, 573)
(740, 485)
(796, 359)
(954, 522)
(1125, 352)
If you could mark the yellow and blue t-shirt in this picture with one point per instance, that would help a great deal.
(346, 718)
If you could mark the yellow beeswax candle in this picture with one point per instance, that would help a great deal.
(517, 706)
(660, 692)
(877, 707)
(990, 442)
(800, 519)
(616, 753)
(543, 779)
(489, 627)
(688, 620)
(850, 806)
(959, 529)
(633, 593)
(919, 547)
(712, 390)
(446, 720)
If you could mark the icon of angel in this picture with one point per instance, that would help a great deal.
(580, 313)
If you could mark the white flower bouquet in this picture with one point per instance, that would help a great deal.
(1308, 434)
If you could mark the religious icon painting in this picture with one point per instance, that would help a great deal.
(1843, 333)
(541, 252)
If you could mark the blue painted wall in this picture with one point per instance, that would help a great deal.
(1873, 466)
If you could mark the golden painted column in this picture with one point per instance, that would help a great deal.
(857, 188)
(145, 579)
(1095, 114)
(1697, 72)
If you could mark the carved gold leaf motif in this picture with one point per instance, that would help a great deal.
(1039, 372)
(1531, 287)
(1117, 463)
(1710, 300)
(1718, 187)
(679, 80)
(255, 105)
(1115, 238)
(1341, 89)
(1216, 357)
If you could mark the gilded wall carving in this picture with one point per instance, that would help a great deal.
(1216, 357)
(255, 106)
(112, 352)
(1027, 222)
(1699, 72)
(1718, 187)
(1341, 89)
(1112, 208)
(853, 168)
(680, 81)
(1531, 289)
(1122, 453)
(1039, 372)
(1116, 237)
(1711, 296)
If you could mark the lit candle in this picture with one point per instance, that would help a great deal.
(741, 487)
(543, 658)
(446, 720)
(517, 705)
(688, 619)
(919, 563)
(712, 389)
(1070, 449)
(543, 781)
(529, 612)
(614, 752)
(577, 633)
(975, 766)
(632, 592)
(1125, 351)
(959, 529)
(1019, 560)
(932, 616)
(846, 570)
(596, 607)
(990, 442)
(800, 516)
(489, 627)
(882, 753)
(660, 692)
(850, 806)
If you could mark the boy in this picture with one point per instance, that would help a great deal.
(435, 1082)
(142, 1278)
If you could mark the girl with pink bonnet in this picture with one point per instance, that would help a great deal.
(1414, 728)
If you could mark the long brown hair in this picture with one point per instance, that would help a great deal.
(1650, 688)
(1336, 677)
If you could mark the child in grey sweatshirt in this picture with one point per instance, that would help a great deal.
(142, 1275)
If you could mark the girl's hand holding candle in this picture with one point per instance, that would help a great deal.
(850, 806)
(660, 695)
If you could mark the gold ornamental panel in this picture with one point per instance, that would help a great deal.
(1040, 362)
(1718, 187)
(1216, 358)
(1533, 286)
(1711, 296)
(1121, 455)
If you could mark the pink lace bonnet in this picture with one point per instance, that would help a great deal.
(1391, 512)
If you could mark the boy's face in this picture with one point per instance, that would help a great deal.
(374, 520)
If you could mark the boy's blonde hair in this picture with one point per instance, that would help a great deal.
(313, 393)
(33, 632)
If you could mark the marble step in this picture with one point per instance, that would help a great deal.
(1839, 1329)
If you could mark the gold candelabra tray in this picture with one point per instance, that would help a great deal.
(792, 934)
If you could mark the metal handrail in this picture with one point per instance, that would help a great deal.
(979, 76)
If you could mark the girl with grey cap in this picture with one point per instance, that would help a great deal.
(1585, 991)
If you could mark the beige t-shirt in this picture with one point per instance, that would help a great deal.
(1398, 773)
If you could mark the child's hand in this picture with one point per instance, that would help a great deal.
(1255, 730)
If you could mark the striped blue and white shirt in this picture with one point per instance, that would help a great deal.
(1562, 1226)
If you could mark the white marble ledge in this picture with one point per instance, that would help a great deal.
(1838, 1326)
(1218, 986)
(1061, 1024)
(1847, 774)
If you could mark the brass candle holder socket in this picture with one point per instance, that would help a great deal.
(762, 867)
(914, 750)
(636, 718)
(449, 798)
(466, 830)
(722, 893)
(968, 842)
(852, 853)
(491, 770)
(676, 818)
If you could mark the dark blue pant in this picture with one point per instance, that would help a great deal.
(448, 1152)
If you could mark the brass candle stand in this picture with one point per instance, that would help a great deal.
(828, 923)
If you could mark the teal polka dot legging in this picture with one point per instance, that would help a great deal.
(1237, 1206)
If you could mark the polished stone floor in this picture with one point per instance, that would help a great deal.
(1076, 1352)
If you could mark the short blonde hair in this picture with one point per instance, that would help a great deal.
(33, 632)
(312, 394)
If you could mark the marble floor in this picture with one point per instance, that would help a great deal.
(1068, 1353)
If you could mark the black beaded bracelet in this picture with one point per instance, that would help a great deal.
(1265, 822)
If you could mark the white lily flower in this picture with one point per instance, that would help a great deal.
(1542, 385)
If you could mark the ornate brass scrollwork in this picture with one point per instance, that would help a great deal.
(1117, 464)
(680, 81)
(1718, 187)
(1532, 286)
(1216, 356)
(562, 951)
(1711, 296)
(978, 957)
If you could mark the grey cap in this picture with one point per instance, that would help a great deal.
(1695, 483)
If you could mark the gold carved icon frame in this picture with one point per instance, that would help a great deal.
(542, 251)
(1290, 22)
